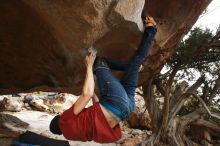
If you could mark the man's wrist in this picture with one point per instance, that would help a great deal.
(89, 67)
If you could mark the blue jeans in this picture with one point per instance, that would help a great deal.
(118, 96)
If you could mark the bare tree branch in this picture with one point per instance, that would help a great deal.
(184, 96)
(205, 92)
(208, 124)
(179, 104)
(205, 106)
(165, 116)
(214, 91)
(152, 105)
(179, 90)
(159, 86)
(186, 119)
(171, 78)
(196, 84)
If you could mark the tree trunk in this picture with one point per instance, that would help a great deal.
(169, 128)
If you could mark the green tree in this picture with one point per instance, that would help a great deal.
(189, 101)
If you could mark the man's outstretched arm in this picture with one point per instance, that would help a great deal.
(88, 87)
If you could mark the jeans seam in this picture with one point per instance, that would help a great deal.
(117, 100)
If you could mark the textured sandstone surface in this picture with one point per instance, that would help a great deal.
(43, 42)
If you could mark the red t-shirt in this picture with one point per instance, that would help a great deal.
(89, 124)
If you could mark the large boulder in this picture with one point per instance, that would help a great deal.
(43, 42)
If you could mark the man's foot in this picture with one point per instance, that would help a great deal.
(149, 21)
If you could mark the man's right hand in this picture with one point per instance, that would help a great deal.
(89, 60)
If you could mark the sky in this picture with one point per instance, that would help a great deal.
(211, 18)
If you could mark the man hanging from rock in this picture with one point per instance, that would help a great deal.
(100, 122)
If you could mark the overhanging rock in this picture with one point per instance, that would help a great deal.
(43, 42)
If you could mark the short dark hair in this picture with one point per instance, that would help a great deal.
(54, 125)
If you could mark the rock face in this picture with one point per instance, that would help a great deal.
(140, 118)
(43, 42)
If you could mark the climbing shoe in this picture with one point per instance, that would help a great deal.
(100, 63)
(149, 21)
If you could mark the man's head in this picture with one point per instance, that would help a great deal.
(54, 125)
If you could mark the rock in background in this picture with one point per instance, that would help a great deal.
(139, 118)
(38, 108)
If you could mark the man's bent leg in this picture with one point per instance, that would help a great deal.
(130, 78)
(113, 95)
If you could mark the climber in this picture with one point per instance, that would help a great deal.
(100, 122)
